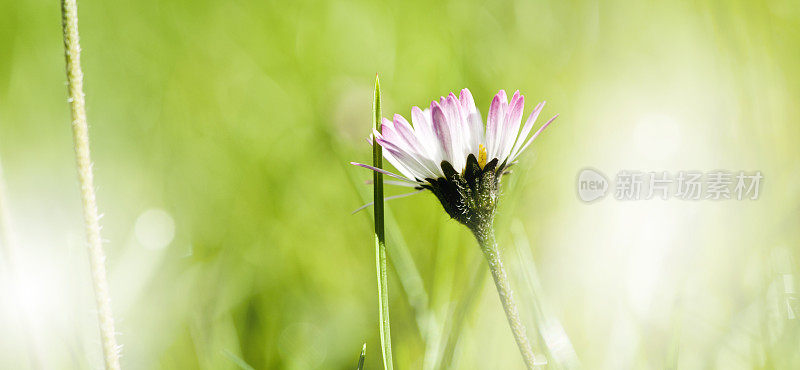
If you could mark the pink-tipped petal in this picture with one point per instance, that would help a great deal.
(515, 97)
(410, 161)
(511, 126)
(424, 133)
(502, 94)
(458, 124)
(497, 113)
(401, 121)
(390, 134)
(527, 128)
(467, 102)
(442, 131)
(399, 164)
(452, 129)
(395, 183)
(515, 108)
(386, 127)
(401, 160)
(539, 131)
(454, 107)
(406, 132)
(396, 134)
(384, 172)
(375, 132)
(418, 117)
(386, 122)
(535, 135)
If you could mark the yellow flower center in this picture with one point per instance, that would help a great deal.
(481, 156)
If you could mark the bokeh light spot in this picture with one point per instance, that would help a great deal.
(154, 229)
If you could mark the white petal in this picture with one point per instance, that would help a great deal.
(474, 132)
(409, 160)
(385, 172)
(424, 131)
(441, 129)
(467, 103)
(457, 127)
(511, 126)
(495, 119)
(533, 137)
(526, 130)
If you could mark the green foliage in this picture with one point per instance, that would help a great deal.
(238, 119)
(361, 357)
(380, 237)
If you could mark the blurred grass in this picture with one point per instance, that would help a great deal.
(238, 119)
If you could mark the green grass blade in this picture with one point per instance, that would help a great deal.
(403, 263)
(362, 357)
(380, 237)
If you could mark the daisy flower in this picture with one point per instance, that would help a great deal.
(448, 151)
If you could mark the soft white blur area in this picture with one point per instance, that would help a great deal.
(657, 137)
(47, 316)
(154, 229)
(661, 281)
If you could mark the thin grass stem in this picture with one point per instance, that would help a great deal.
(80, 134)
(380, 236)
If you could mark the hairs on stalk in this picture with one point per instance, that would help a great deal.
(80, 134)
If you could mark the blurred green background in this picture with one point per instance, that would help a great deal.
(221, 133)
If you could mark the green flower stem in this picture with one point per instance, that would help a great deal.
(380, 237)
(486, 240)
(80, 131)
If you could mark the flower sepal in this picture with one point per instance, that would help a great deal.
(469, 197)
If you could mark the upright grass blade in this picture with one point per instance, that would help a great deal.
(80, 134)
(380, 237)
(401, 259)
(403, 263)
(361, 358)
